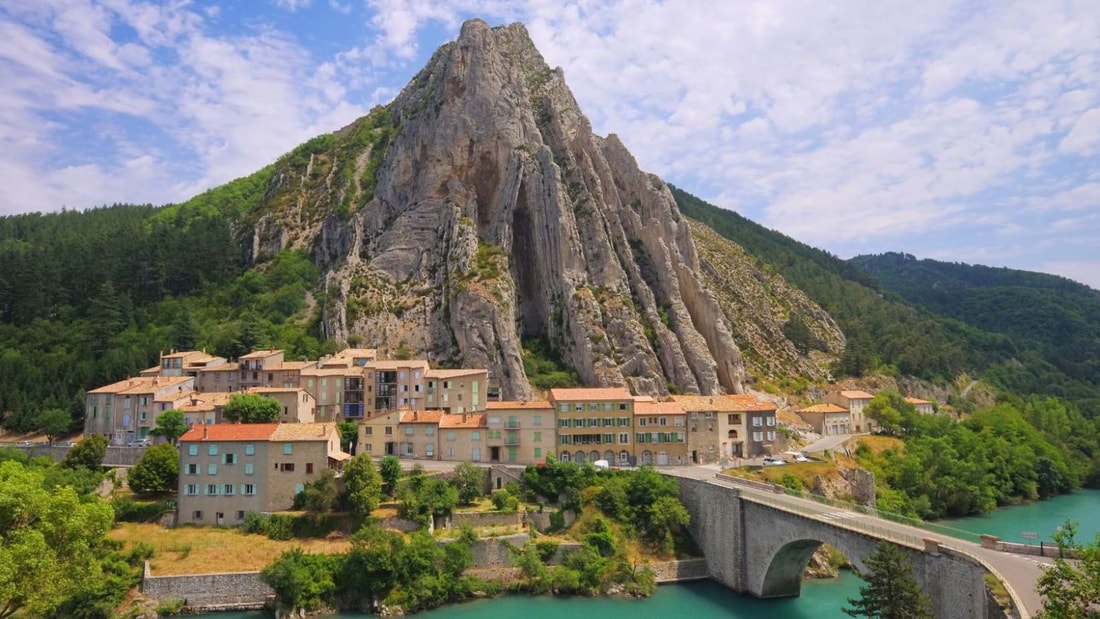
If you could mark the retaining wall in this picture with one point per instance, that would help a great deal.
(209, 591)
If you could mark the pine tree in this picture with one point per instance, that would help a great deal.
(890, 592)
(185, 333)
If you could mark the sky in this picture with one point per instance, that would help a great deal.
(965, 131)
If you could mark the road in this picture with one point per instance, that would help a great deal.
(828, 442)
(1019, 572)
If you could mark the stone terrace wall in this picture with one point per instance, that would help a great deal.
(209, 591)
(485, 519)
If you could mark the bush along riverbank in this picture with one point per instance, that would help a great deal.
(619, 523)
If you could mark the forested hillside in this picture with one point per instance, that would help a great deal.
(1024, 332)
(1053, 322)
(91, 297)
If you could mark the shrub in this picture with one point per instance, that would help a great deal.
(280, 527)
(506, 502)
(254, 522)
(129, 510)
(169, 607)
(546, 550)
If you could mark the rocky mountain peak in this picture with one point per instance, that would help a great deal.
(479, 209)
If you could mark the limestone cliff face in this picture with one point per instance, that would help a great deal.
(479, 209)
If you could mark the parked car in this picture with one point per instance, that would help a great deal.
(65, 444)
(770, 461)
(25, 444)
(140, 442)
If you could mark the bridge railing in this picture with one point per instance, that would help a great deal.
(862, 509)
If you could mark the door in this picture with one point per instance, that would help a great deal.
(494, 454)
(662, 458)
(390, 449)
(476, 454)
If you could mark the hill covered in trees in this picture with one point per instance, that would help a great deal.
(1027, 333)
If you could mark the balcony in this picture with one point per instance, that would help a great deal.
(511, 425)
(512, 438)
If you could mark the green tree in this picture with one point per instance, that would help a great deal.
(185, 333)
(53, 422)
(371, 568)
(319, 496)
(51, 542)
(87, 454)
(157, 471)
(469, 480)
(171, 424)
(349, 434)
(390, 468)
(362, 485)
(302, 581)
(890, 592)
(251, 408)
(1071, 589)
(892, 413)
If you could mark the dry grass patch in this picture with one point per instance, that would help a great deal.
(195, 550)
(879, 444)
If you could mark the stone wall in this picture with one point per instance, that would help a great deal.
(716, 526)
(680, 571)
(209, 591)
(486, 519)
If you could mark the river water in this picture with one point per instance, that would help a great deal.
(820, 599)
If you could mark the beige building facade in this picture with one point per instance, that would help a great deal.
(298, 406)
(593, 421)
(520, 432)
(127, 410)
(827, 419)
(854, 401)
(660, 435)
(456, 391)
(228, 470)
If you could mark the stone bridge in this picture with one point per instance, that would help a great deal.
(759, 542)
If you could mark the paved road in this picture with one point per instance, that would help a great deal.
(1019, 572)
(828, 442)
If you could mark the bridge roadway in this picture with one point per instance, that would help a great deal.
(1020, 573)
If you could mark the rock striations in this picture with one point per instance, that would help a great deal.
(479, 209)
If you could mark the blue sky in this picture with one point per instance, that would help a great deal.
(955, 130)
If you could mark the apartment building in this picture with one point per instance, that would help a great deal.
(326, 385)
(660, 435)
(702, 412)
(218, 377)
(298, 406)
(378, 435)
(759, 427)
(127, 410)
(826, 419)
(520, 432)
(394, 384)
(592, 421)
(228, 470)
(456, 391)
(854, 401)
(463, 436)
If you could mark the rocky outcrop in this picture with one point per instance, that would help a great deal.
(479, 209)
(758, 305)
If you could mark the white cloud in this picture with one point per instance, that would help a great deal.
(1084, 137)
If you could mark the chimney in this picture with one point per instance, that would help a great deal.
(205, 431)
(415, 415)
(463, 418)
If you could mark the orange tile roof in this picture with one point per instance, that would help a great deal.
(223, 367)
(856, 395)
(421, 416)
(206, 401)
(644, 398)
(601, 393)
(736, 403)
(260, 354)
(292, 365)
(822, 408)
(230, 432)
(917, 401)
(518, 405)
(395, 364)
(122, 385)
(304, 431)
(274, 389)
(357, 352)
(658, 408)
(455, 373)
(337, 371)
(459, 421)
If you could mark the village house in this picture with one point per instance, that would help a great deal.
(228, 470)
(922, 406)
(462, 436)
(826, 419)
(456, 391)
(127, 410)
(520, 432)
(203, 408)
(298, 406)
(591, 421)
(378, 435)
(659, 435)
(419, 437)
(854, 402)
(183, 363)
(394, 384)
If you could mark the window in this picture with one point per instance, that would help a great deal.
(389, 430)
(564, 423)
(757, 422)
(212, 450)
(248, 489)
(771, 421)
(249, 449)
(538, 437)
(511, 454)
(538, 452)
(771, 436)
(450, 435)
(607, 439)
(229, 458)
(624, 438)
(212, 489)
(240, 514)
(229, 489)
(758, 437)
(565, 439)
(212, 469)
(536, 420)
(678, 420)
(663, 421)
(143, 416)
(196, 515)
(429, 431)
(248, 468)
(298, 488)
(368, 431)
(309, 468)
(429, 450)
(607, 406)
(624, 421)
(288, 449)
(287, 467)
(578, 407)
(476, 435)
(192, 469)
(564, 408)
(368, 447)
(409, 430)
(641, 422)
(191, 490)
(622, 406)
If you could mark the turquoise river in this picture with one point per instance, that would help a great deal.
(820, 599)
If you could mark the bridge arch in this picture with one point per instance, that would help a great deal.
(783, 575)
